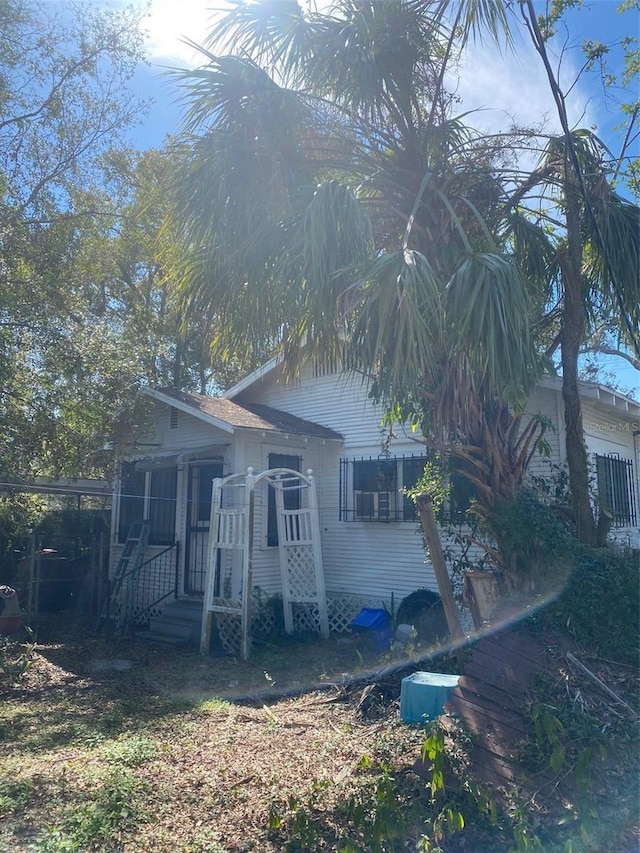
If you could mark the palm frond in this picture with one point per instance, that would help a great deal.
(488, 318)
(331, 240)
(613, 263)
(235, 94)
(372, 58)
(279, 36)
(479, 17)
(537, 256)
(396, 327)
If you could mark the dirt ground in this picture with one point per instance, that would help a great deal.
(195, 749)
(120, 746)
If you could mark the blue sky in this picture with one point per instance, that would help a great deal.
(503, 86)
(501, 83)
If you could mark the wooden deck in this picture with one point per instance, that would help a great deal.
(490, 700)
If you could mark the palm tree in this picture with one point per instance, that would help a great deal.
(303, 201)
(589, 238)
(332, 206)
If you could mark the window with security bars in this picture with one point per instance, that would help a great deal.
(616, 489)
(374, 490)
(149, 496)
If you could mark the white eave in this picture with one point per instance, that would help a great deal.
(599, 394)
(251, 378)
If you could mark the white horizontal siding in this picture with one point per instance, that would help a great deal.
(544, 402)
(606, 433)
(361, 558)
(191, 433)
(370, 559)
(257, 447)
(612, 433)
(337, 400)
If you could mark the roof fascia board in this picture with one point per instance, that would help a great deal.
(597, 393)
(252, 377)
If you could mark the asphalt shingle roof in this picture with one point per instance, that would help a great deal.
(250, 415)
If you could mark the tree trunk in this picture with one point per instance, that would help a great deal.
(572, 338)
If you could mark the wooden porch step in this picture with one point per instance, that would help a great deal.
(161, 639)
(173, 627)
(180, 620)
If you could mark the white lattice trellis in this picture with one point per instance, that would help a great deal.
(227, 592)
(299, 546)
(228, 586)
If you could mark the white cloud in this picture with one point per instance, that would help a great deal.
(512, 88)
(170, 22)
(508, 88)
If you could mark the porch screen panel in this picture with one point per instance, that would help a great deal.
(131, 498)
(201, 477)
(162, 506)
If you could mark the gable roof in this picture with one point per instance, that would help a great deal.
(248, 380)
(607, 398)
(229, 416)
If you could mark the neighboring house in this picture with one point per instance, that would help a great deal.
(325, 421)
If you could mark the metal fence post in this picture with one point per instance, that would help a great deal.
(32, 575)
(177, 570)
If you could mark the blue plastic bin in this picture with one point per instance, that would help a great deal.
(373, 627)
(423, 695)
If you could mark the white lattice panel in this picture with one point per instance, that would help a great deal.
(141, 614)
(306, 618)
(141, 609)
(301, 570)
(229, 625)
(299, 552)
(264, 625)
(230, 632)
(344, 609)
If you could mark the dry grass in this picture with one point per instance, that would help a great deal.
(129, 747)
(122, 747)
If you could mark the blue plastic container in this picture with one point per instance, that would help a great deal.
(373, 627)
(423, 695)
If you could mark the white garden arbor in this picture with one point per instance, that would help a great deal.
(228, 591)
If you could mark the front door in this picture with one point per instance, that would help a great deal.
(201, 476)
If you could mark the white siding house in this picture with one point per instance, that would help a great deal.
(371, 544)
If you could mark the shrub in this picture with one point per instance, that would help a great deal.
(533, 542)
(600, 604)
(16, 659)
